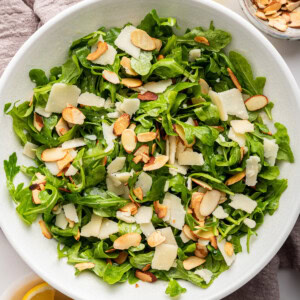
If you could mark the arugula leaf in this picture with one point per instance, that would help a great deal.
(174, 289)
(142, 65)
(11, 170)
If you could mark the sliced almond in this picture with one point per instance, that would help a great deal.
(256, 102)
(261, 15)
(73, 115)
(38, 122)
(148, 96)
(137, 159)
(229, 249)
(40, 179)
(202, 184)
(61, 164)
(158, 44)
(144, 149)
(130, 207)
(188, 232)
(145, 276)
(127, 240)
(234, 80)
(111, 77)
(213, 242)
(160, 56)
(62, 127)
(279, 24)
(292, 5)
(35, 197)
(142, 40)
(121, 258)
(204, 86)
(235, 178)
(209, 202)
(274, 6)
(45, 231)
(126, 64)
(156, 163)
(201, 40)
(132, 126)
(195, 204)
(138, 192)
(121, 124)
(155, 239)
(201, 250)
(193, 262)
(53, 154)
(102, 47)
(131, 82)
(180, 131)
(129, 140)
(153, 148)
(145, 137)
(146, 268)
(145, 158)
(160, 209)
(84, 266)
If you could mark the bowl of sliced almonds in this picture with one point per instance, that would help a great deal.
(277, 18)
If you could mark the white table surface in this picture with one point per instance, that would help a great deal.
(12, 267)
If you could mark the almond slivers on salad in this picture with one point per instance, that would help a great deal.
(154, 154)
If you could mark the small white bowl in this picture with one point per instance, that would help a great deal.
(48, 47)
(249, 10)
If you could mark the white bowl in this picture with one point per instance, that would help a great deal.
(48, 47)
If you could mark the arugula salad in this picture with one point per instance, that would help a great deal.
(155, 153)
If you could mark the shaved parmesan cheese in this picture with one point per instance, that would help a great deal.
(52, 167)
(71, 171)
(184, 238)
(233, 103)
(158, 86)
(194, 54)
(242, 126)
(252, 168)
(107, 58)
(123, 42)
(270, 151)
(173, 146)
(250, 223)
(112, 187)
(30, 149)
(116, 165)
(92, 228)
(125, 216)
(123, 177)
(168, 234)
(108, 136)
(176, 168)
(166, 187)
(240, 201)
(90, 99)
(179, 149)
(144, 215)
(188, 158)
(190, 121)
(175, 213)
(144, 182)
(216, 100)
(73, 153)
(203, 242)
(62, 94)
(91, 137)
(61, 221)
(41, 111)
(164, 257)
(107, 228)
(220, 213)
(205, 274)
(70, 212)
(167, 147)
(108, 103)
(236, 137)
(130, 106)
(189, 183)
(79, 142)
(113, 115)
(147, 228)
(228, 259)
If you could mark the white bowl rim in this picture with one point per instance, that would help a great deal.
(231, 14)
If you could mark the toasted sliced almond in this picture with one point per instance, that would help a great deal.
(229, 249)
(201, 40)
(35, 197)
(126, 64)
(144, 149)
(121, 124)
(145, 158)
(61, 164)
(256, 102)
(274, 6)
(111, 77)
(137, 159)
(102, 47)
(234, 80)
(40, 179)
(193, 262)
(260, 14)
(292, 5)
(146, 268)
(209, 202)
(201, 251)
(148, 96)
(130, 207)
(145, 137)
(235, 178)
(128, 140)
(53, 154)
(62, 127)
(202, 184)
(195, 204)
(45, 231)
(131, 82)
(132, 126)
(145, 276)
(84, 266)
(204, 86)
(138, 192)
(156, 163)
(213, 241)
(142, 40)
(278, 24)
(158, 43)
(121, 258)
(160, 209)
(153, 148)
(38, 122)
(180, 131)
(127, 240)
(188, 232)
(160, 56)
(73, 115)
(155, 239)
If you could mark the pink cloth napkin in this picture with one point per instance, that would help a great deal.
(19, 19)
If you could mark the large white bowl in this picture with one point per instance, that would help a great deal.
(48, 47)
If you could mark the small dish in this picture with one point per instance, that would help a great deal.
(249, 10)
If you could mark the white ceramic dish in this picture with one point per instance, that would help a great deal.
(48, 47)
